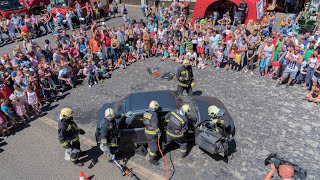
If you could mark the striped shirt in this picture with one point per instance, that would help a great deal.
(292, 65)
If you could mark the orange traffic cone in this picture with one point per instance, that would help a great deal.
(82, 176)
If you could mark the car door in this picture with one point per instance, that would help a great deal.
(137, 125)
(134, 130)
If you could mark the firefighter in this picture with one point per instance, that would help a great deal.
(152, 131)
(68, 132)
(217, 119)
(176, 128)
(185, 78)
(109, 139)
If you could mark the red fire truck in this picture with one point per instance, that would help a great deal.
(8, 7)
(35, 6)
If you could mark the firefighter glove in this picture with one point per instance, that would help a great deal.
(104, 147)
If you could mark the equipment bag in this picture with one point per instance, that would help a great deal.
(167, 76)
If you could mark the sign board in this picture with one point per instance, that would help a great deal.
(260, 9)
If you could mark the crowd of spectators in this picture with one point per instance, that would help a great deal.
(32, 76)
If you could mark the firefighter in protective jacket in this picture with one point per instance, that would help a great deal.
(185, 78)
(68, 132)
(217, 120)
(152, 131)
(176, 128)
(109, 138)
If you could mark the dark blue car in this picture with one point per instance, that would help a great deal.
(131, 129)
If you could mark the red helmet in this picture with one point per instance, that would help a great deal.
(24, 29)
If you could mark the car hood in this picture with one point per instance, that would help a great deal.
(203, 102)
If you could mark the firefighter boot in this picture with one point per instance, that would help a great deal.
(154, 162)
(78, 163)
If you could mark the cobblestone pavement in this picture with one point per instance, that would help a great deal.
(267, 119)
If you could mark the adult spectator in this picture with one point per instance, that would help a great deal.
(286, 172)
(115, 46)
(29, 45)
(314, 94)
(316, 75)
(106, 41)
(95, 45)
(294, 59)
(268, 50)
(242, 10)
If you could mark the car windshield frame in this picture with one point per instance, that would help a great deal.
(119, 107)
(194, 113)
(9, 5)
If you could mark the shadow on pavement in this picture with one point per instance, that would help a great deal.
(197, 93)
(2, 144)
(63, 96)
(92, 155)
(48, 107)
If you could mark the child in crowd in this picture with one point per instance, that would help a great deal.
(135, 55)
(262, 64)
(159, 51)
(275, 69)
(237, 61)
(180, 58)
(219, 58)
(33, 100)
(19, 108)
(21, 95)
(202, 62)
(173, 55)
(47, 89)
(103, 70)
(3, 126)
(8, 112)
(165, 54)
(231, 56)
(153, 49)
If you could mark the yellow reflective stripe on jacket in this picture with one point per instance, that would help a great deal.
(152, 132)
(104, 141)
(152, 153)
(178, 117)
(65, 143)
(147, 115)
(174, 135)
(112, 145)
(74, 159)
(182, 84)
(183, 150)
(75, 139)
(70, 126)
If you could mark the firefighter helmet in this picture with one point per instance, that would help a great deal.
(154, 105)
(109, 113)
(186, 108)
(66, 113)
(215, 111)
